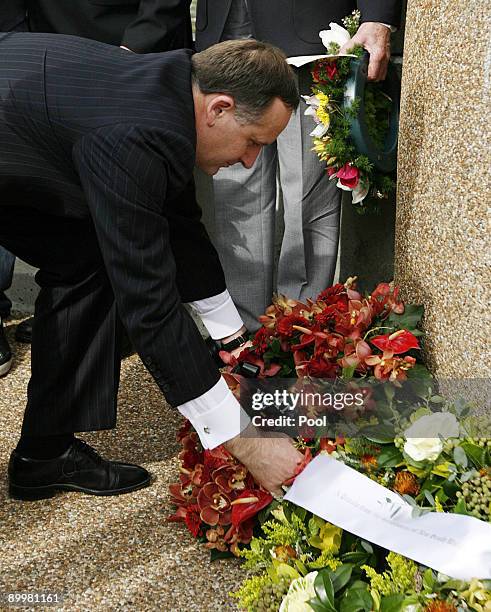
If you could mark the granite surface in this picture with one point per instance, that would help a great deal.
(113, 553)
(443, 249)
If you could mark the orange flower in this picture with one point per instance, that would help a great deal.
(369, 461)
(284, 553)
(440, 606)
(215, 537)
(406, 482)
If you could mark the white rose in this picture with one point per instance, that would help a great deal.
(336, 34)
(299, 593)
(423, 437)
(423, 449)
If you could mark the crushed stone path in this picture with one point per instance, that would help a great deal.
(113, 553)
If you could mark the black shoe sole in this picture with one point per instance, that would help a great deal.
(38, 493)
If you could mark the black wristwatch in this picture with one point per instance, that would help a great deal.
(235, 343)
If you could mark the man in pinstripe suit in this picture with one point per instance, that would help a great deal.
(97, 149)
(142, 26)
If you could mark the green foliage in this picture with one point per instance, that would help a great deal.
(399, 578)
(377, 113)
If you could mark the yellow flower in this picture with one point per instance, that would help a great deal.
(322, 111)
(328, 539)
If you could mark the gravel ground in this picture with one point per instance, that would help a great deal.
(114, 553)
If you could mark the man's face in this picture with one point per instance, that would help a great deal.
(222, 141)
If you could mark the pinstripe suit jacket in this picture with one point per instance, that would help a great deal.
(89, 130)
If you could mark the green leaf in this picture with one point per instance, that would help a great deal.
(389, 457)
(450, 488)
(475, 453)
(429, 580)
(430, 498)
(391, 603)
(437, 399)
(460, 457)
(317, 606)
(314, 527)
(347, 373)
(356, 599)
(219, 554)
(419, 372)
(460, 507)
(366, 546)
(379, 434)
(409, 319)
(356, 557)
(341, 576)
(324, 589)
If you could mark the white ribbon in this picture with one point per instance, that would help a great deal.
(300, 60)
(456, 545)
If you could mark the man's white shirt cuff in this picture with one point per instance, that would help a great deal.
(219, 315)
(216, 415)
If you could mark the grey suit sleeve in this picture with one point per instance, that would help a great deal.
(161, 25)
(125, 181)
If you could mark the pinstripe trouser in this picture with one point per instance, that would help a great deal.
(75, 348)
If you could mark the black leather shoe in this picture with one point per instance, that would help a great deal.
(80, 468)
(5, 352)
(23, 333)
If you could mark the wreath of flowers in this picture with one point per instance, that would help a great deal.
(353, 171)
(432, 452)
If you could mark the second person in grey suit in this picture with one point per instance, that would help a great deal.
(240, 213)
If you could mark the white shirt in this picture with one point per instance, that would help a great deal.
(216, 415)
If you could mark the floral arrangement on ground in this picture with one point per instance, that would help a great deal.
(353, 171)
(428, 450)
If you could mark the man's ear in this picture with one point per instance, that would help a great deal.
(217, 105)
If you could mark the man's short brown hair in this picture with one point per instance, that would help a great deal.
(252, 72)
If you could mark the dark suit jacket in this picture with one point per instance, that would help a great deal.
(292, 25)
(144, 26)
(12, 15)
(90, 131)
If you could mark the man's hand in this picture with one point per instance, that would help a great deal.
(271, 460)
(375, 37)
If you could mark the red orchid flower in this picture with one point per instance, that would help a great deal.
(193, 520)
(214, 505)
(248, 504)
(179, 515)
(399, 342)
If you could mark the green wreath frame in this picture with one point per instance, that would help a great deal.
(384, 159)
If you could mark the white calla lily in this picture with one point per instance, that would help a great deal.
(360, 192)
(319, 131)
(336, 34)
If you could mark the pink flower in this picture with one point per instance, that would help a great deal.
(349, 176)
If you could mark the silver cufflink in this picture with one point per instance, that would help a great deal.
(206, 429)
